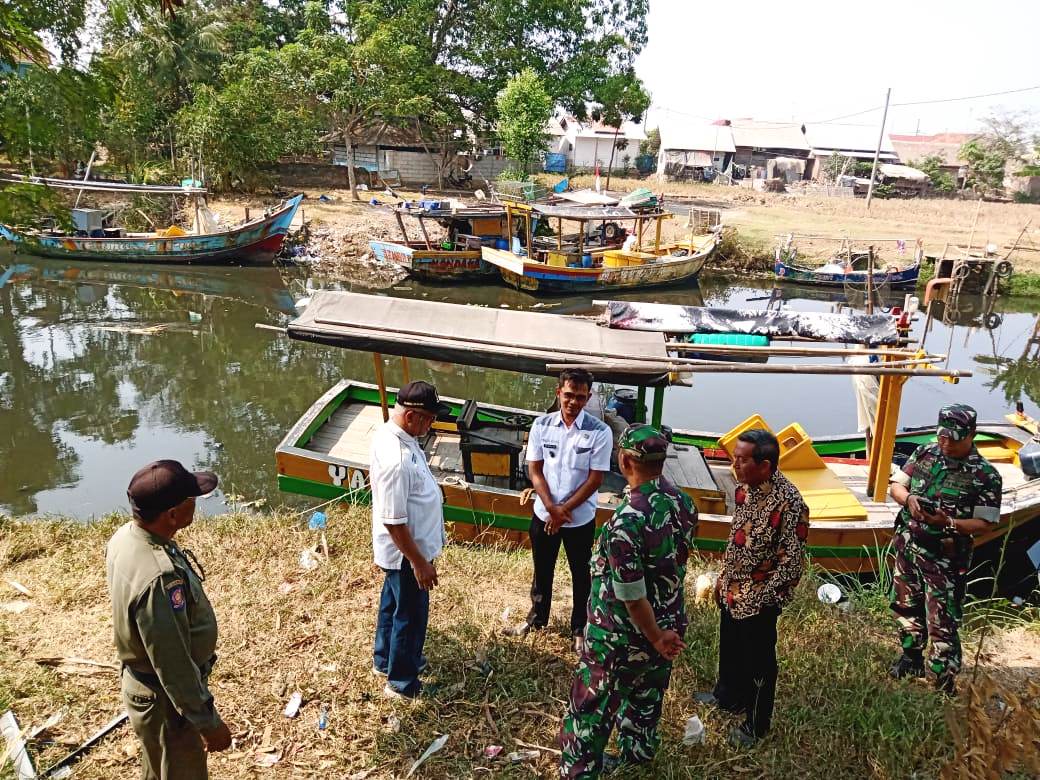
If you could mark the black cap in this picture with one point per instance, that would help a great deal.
(421, 395)
(163, 484)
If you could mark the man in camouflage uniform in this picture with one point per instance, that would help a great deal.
(948, 493)
(636, 615)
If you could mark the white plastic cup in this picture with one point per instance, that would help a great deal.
(694, 734)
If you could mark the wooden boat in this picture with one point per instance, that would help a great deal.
(455, 257)
(847, 268)
(833, 275)
(568, 265)
(476, 452)
(252, 241)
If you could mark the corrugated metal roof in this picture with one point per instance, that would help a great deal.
(695, 136)
(628, 130)
(845, 138)
(902, 172)
(768, 135)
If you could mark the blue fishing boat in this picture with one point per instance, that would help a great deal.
(94, 238)
(838, 275)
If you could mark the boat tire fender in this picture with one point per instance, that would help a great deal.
(1004, 269)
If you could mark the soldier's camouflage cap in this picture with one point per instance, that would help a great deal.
(956, 422)
(644, 443)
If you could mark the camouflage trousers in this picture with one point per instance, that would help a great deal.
(617, 682)
(927, 600)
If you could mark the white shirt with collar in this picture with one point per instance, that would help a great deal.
(404, 492)
(568, 455)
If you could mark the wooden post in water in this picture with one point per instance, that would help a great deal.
(377, 358)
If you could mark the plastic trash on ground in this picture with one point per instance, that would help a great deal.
(317, 521)
(829, 593)
(694, 733)
(292, 707)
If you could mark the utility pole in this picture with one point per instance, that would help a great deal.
(877, 152)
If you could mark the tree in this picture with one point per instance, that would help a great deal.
(1005, 140)
(652, 144)
(524, 108)
(22, 21)
(933, 164)
(51, 115)
(623, 99)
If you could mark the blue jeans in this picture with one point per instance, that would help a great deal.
(404, 611)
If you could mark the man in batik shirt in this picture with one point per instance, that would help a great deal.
(763, 562)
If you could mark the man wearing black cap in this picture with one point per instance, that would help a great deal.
(407, 535)
(165, 629)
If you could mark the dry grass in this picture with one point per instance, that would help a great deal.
(838, 714)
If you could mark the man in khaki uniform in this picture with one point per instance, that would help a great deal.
(165, 629)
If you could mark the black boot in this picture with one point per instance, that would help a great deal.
(910, 664)
(946, 683)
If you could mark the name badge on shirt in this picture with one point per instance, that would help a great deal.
(550, 448)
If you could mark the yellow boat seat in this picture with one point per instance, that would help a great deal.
(996, 452)
(796, 450)
(728, 440)
(826, 496)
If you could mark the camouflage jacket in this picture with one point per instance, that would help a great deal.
(643, 550)
(765, 555)
(963, 488)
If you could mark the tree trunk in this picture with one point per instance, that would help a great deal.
(351, 178)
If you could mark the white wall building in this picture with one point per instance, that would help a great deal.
(587, 144)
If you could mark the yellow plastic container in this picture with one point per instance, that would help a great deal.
(796, 450)
(557, 260)
(728, 440)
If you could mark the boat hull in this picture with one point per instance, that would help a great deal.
(432, 264)
(489, 514)
(903, 279)
(257, 241)
(540, 278)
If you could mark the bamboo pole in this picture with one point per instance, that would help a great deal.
(563, 351)
(657, 236)
(425, 234)
(377, 358)
(406, 374)
(974, 222)
(787, 351)
(720, 367)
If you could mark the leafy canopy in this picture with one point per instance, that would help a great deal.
(524, 108)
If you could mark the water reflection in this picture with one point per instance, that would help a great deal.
(105, 368)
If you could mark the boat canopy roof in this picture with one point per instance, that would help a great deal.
(595, 212)
(105, 186)
(847, 328)
(525, 342)
(463, 212)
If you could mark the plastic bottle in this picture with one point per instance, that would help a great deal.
(323, 718)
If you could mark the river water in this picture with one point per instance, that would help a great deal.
(105, 368)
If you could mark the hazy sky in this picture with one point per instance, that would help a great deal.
(813, 61)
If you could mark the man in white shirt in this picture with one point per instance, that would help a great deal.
(407, 534)
(567, 454)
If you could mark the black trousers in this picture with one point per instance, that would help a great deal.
(747, 667)
(545, 549)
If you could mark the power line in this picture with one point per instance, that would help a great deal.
(833, 120)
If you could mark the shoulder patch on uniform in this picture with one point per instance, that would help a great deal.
(177, 599)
